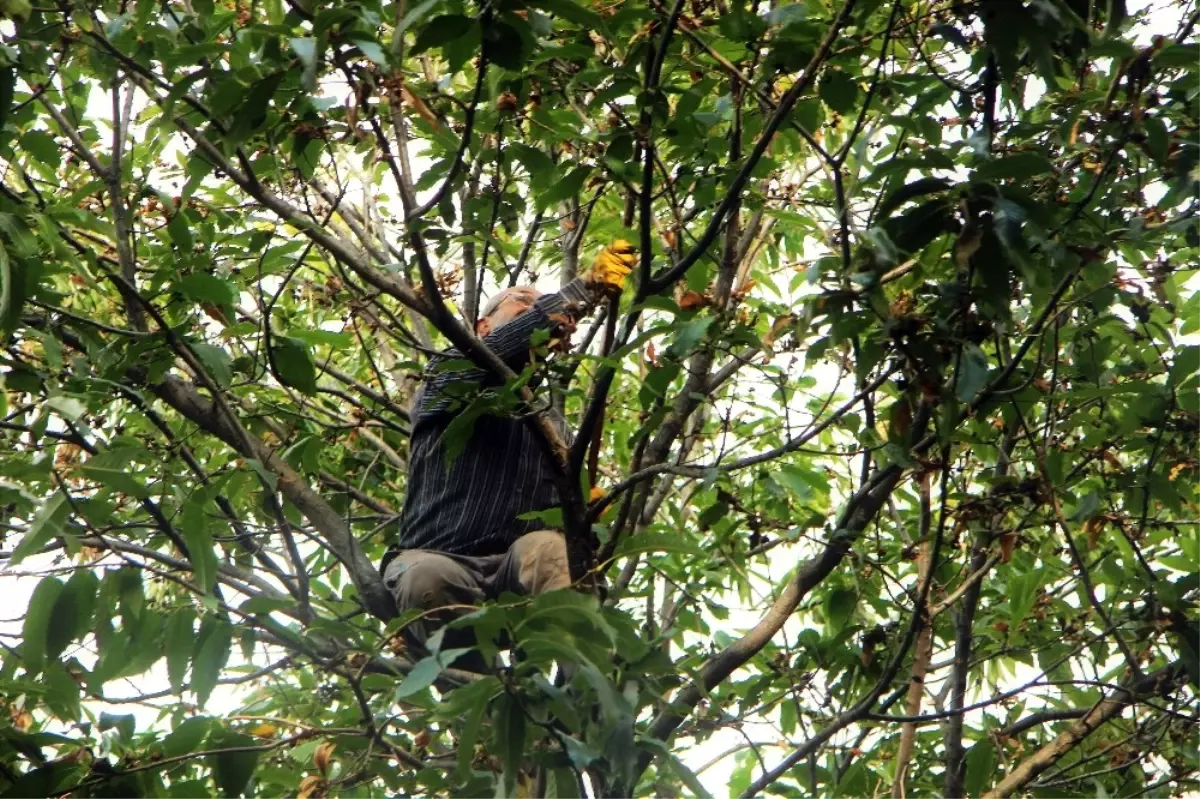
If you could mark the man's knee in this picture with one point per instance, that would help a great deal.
(542, 562)
(427, 581)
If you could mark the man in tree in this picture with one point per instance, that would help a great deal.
(462, 538)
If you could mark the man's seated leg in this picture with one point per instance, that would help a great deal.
(534, 564)
(425, 580)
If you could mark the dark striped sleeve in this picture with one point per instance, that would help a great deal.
(511, 342)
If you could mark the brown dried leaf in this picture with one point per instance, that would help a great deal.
(323, 756)
(1008, 542)
(414, 101)
(312, 787)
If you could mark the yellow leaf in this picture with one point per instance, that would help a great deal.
(264, 730)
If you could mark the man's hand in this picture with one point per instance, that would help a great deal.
(613, 265)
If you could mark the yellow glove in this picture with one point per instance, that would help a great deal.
(613, 264)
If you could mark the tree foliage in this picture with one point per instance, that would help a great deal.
(897, 422)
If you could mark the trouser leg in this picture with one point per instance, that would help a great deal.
(534, 564)
(434, 582)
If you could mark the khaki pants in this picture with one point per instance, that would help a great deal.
(425, 579)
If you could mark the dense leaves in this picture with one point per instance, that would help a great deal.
(895, 427)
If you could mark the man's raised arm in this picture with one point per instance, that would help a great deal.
(512, 340)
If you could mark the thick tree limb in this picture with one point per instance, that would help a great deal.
(859, 512)
(187, 401)
(920, 666)
(1104, 711)
(1038, 719)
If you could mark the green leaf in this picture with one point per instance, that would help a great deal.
(567, 187)
(909, 191)
(19, 10)
(207, 288)
(572, 12)
(265, 604)
(72, 613)
(324, 338)
(42, 146)
(1088, 507)
(232, 770)
(124, 723)
(49, 522)
(1185, 56)
(306, 50)
(70, 408)
(503, 44)
(1019, 166)
(972, 373)
(1186, 364)
(178, 642)
(201, 547)
(1022, 593)
(981, 768)
(800, 481)
(689, 778)
(254, 108)
(373, 51)
(414, 15)
(689, 334)
(180, 231)
(62, 692)
(482, 691)
(216, 362)
(657, 542)
(536, 163)
(421, 677)
(1186, 633)
(855, 781)
(294, 363)
(787, 717)
(187, 736)
(440, 30)
(120, 481)
(185, 789)
(839, 607)
(43, 780)
(8, 313)
(566, 785)
(509, 737)
(36, 629)
(1157, 139)
(211, 653)
(838, 90)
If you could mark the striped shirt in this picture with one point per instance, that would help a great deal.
(468, 502)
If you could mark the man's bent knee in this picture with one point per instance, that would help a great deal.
(542, 562)
(427, 580)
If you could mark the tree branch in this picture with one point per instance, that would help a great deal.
(859, 512)
(1104, 711)
(186, 400)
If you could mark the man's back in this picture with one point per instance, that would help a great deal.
(472, 505)
(476, 467)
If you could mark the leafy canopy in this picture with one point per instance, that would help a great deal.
(897, 420)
